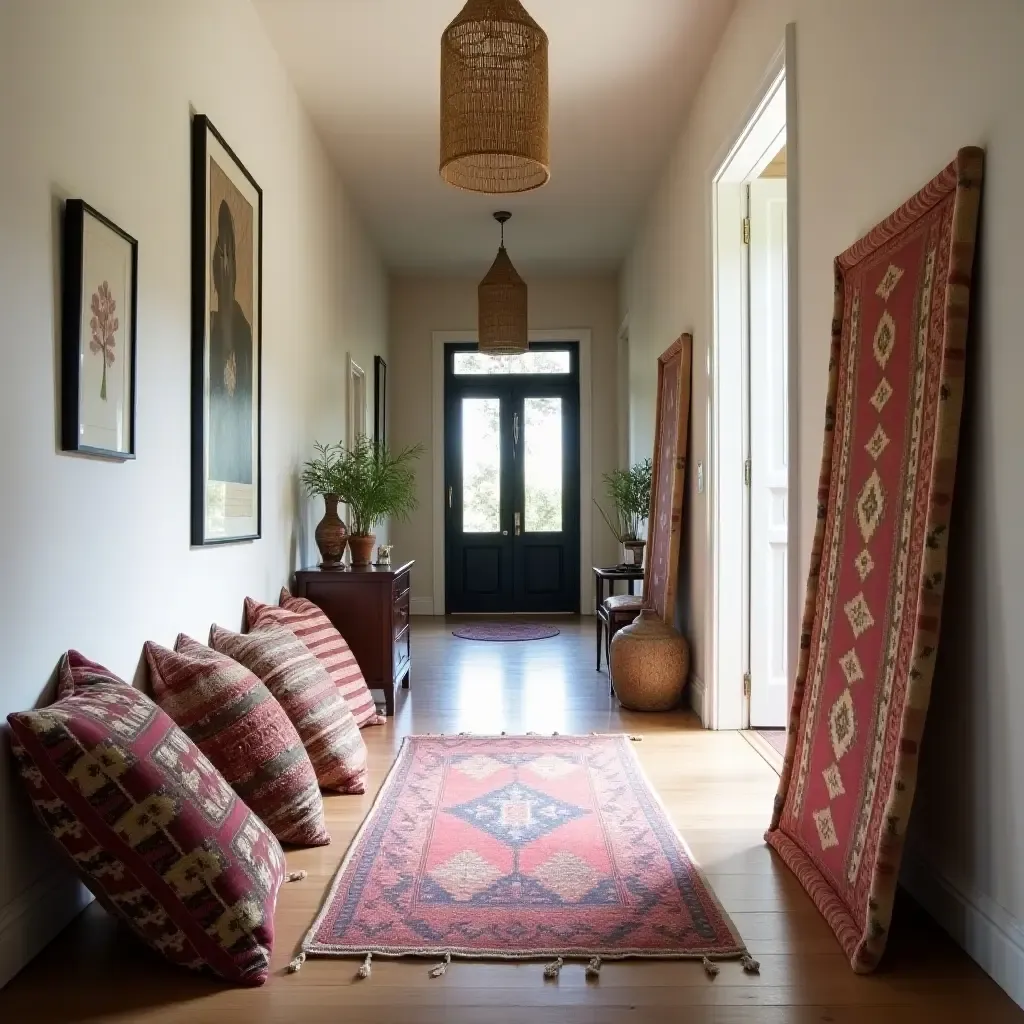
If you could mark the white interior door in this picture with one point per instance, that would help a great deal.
(769, 476)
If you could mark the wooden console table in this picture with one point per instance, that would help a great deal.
(369, 607)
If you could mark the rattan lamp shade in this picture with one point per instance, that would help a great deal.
(494, 99)
(501, 309)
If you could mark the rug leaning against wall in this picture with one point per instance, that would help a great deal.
(874, 594)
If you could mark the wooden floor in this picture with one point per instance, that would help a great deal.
(716, 787)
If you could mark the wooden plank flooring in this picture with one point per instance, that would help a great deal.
(716, 787)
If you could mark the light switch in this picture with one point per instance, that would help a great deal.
(700, 477)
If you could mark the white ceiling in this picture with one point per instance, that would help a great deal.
(622, 74)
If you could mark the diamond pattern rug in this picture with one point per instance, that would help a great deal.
(874, 595)
(520, 847)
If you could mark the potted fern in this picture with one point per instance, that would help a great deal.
(319, 476)
(630, 493)
(376, 484)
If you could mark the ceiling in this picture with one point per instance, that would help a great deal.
(622, 75)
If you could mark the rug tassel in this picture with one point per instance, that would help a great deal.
(295, 876)
(711, 969)
(750, 965)
(593, 968)
(366, 967)
(436, 972)
(296, 965)
(552, 970)
(636, 739)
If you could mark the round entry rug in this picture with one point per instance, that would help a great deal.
(505, 631)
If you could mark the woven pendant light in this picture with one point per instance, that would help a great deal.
(501, 304)
(494, 99)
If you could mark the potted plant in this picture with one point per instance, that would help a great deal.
(319, 476)
(630, 492)
(376, 484)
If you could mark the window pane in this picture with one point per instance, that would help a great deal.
(534, 361)
(481, 465)
(542, 464)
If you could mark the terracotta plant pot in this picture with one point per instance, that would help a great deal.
(362, 548)
(331, 535)
(649, 662)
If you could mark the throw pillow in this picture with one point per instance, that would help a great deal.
(150, 825)
(315, 630)
(233, 719)
(310, 699)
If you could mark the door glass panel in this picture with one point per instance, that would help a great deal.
(542, 465)
(481, 465)
(534, 361)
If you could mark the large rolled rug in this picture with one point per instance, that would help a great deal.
(874, 594)
(518, 847)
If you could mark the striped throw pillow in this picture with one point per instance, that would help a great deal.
(310, 699)
(235, 721)
(315, 630)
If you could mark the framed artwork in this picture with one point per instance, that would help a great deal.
(380, 400)
(227, 288)
(99, 283)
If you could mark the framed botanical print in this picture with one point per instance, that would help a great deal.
(99, 284)
(227, 286)
(380, 400)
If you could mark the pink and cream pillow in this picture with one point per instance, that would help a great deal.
(309, 697)
(315, 630)
(232, 717)
(150, 825)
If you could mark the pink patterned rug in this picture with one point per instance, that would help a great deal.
(519, 847)
(505, 631)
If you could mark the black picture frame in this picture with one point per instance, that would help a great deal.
(80, 431)
(217, 500)
(380, 400)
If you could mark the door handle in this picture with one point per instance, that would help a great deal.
(449, 497)
(515, 432)
(517, 524)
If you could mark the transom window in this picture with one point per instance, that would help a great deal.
(535, 361)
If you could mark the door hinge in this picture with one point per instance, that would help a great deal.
(746, 472)
(746, 684)
(746, 231)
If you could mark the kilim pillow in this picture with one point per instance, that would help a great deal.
(310, 699)
(233, 719)
(151, 826)
(315, 630)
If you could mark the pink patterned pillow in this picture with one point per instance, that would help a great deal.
(233, 719)
(309, 698)
(315, 630)
(150, 825)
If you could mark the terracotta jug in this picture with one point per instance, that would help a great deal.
(331, 535)
(649, 662)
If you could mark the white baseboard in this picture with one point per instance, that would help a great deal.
(421, 606)
(697, 692)
(992, 938)
(35, 917)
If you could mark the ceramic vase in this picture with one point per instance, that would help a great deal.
(633, 553)
(649, 662)
(362, 548)
(331, 535)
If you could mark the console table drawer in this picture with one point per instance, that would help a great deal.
(402, 651)
(401, 617)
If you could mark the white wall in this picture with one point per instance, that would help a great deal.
(886, 93)
(96, 555)
(421, 305)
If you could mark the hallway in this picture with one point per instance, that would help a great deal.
(717, 790)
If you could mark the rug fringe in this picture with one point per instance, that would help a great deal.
(295, 876)
(636, 739)
(436, 972)
(711, 969)
(750, 965)
(366, 967)
(552, 969)
(296, 965)
(593, 969)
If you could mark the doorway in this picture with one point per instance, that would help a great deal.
(752, 428)
(512, 495)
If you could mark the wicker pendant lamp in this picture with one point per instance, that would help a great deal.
(494, 99)
(501, 304)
